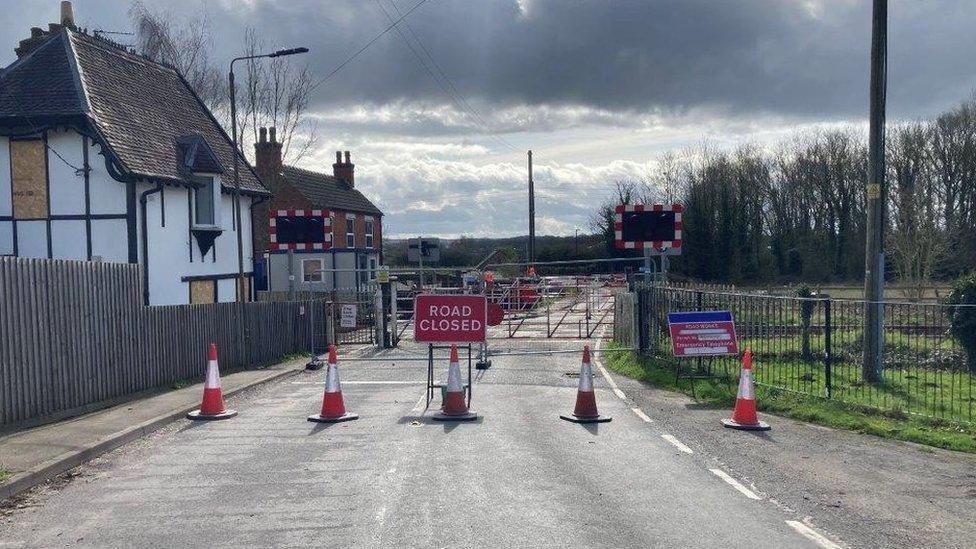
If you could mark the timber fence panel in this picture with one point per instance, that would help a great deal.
(75, 336)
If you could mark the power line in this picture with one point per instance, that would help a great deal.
(459, 97)
(368, 44)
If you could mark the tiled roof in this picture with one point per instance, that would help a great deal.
(323, 191)
(140, 108)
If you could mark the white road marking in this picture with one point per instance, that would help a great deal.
(640, 413)
(812, 535)
(734, 483)
(420, 404)
(677, 443)
(606, 375)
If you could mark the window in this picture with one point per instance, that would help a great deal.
(369, 233)
(372, 266)
(350, 232)
(206, 197)
(363, 273)
(312, 270)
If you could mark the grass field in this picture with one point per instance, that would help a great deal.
(911, 405)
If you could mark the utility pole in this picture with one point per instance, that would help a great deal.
(876, 192)
(576, 240)
(531, 214)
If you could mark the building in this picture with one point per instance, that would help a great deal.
(108, 156)
(345, 256)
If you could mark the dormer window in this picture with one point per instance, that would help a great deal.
(206, 199)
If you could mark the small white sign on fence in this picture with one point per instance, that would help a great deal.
(347, 315)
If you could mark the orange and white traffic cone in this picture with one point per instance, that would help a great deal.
(744, 415)
(585, 411)
(455, 408)
(333, 409)
(213, 400)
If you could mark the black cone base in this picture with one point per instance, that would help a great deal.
(467, 416)
(318, 418)
(577, 419)
(758, 426)
(196, 415)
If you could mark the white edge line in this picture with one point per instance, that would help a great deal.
(812, 535)
(735, 484)
(640, 413)
(677, 443)
(603, 371)
(420, 404)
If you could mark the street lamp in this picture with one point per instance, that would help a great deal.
(237, 177)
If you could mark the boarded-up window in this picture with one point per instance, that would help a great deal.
(203, 291)
(28, 171)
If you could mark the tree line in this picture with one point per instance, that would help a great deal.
(796, 211)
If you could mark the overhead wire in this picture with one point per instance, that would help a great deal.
(455, 94)
(367, 45)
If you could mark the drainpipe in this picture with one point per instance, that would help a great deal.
(145, 241)
(254, 252)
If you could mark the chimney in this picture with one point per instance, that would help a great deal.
(344, 172)
(267, 158)
(67, 14)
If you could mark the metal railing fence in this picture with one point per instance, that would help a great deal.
(813, 346)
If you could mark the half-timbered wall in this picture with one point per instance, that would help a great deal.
(67, 206)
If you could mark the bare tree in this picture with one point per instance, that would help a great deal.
(272, 92)
(186, 47)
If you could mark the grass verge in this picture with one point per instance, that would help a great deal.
(5, 474)
(721, 392)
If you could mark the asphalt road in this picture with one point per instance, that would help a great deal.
(518, 477)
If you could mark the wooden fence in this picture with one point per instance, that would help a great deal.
(75, 336)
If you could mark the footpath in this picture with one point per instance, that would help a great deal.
(38, 454)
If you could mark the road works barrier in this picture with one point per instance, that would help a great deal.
(585, 410)
(744, 415)
(333, 407)
(212, 407)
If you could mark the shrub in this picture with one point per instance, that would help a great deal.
(962, 316)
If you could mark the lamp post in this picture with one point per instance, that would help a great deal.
(237, 177)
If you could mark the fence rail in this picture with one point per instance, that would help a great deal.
(75, 336)
(814, 347)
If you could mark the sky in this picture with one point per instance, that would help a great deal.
(598, 89)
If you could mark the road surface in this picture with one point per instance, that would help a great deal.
(518, 477)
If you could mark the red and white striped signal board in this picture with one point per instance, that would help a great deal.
(642, 226)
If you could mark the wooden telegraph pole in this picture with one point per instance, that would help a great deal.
(874, 261)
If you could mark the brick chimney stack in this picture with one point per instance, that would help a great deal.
(267, 157)
(344, 172)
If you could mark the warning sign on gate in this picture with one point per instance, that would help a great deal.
(347, 315)
(703, 333)
(449, 318)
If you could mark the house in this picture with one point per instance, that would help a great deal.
(328, 231)
(106, 155)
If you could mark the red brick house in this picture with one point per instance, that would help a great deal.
(352, 249)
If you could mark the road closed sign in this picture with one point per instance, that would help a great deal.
(702, 333)
(449, 318)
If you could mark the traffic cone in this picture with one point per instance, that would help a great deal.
(744, 415)
(585, 411)
(454, 408)
(213, 400)
(333, 409)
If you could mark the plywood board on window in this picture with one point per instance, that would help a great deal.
(28, 172)
(203, 291)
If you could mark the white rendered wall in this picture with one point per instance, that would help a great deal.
(6, 237)
(169, 247)
(110, 240)
(32, 238)
(107, 194)
(6, 204)
(68, 239)
(66, 186)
